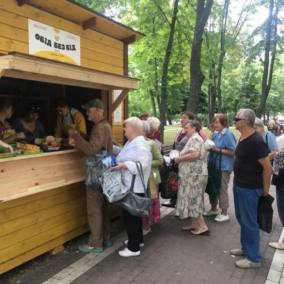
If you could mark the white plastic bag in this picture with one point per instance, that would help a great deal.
(113, 188)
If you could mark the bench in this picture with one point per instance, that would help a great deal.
(166, 148)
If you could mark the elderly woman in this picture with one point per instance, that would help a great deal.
(135, 150)
(154, 133)
(225, 143)
(157, 160)
(179, 143)
(193, 176)
(268, 138)
(278, 181)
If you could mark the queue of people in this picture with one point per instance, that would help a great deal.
(250, 159)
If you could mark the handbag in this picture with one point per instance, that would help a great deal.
(134, 204)
(95, 169)
(169, 180)
(265, 213)
(214, 175)
(152, 187)
(112, 186)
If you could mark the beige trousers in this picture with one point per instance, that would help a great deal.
(98, 217)
(223, 195)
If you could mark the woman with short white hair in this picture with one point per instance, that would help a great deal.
(157, 160)
(135, 150)
(154, 133)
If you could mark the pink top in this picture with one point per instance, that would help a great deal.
(203, 135)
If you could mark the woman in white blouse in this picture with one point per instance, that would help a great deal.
(135, 150)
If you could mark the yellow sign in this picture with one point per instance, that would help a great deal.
(53, 43)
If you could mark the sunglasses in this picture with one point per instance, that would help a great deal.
(236, 119)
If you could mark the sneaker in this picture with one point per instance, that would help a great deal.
(210, 213)
(107, 244)
(87, 248)
(245, 263)
(222, 218)
(128, 253)
(237, 252)
(140, 245)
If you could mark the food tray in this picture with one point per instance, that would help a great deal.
(10, 155)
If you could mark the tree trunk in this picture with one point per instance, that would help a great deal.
(212, 93)
(164, 83)
(222, 53)
(152, 97)
(196, 75)
(268, 65)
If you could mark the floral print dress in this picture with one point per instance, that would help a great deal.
(192, 181)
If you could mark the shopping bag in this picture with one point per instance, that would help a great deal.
(152, 187)
(95, 169)
(214, 175)
(169, 180)
(134, 204)
(265, 213)
(112, 185)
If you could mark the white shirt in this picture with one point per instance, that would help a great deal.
(137, 150)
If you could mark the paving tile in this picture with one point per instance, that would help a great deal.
(176, 257)
(274, 276)
(247, 280)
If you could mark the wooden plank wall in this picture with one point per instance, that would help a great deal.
(98, 51)
(27, 174)
(37, 223)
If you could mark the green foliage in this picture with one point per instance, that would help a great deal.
(243, 63)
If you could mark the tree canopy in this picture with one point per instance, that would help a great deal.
(206, 56)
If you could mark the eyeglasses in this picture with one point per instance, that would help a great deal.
(236, 119)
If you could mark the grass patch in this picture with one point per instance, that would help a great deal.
(171, 131)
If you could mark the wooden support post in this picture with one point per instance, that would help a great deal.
(57, 250)
(89, 23)
(118, 101)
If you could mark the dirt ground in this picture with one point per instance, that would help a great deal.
(45, 266)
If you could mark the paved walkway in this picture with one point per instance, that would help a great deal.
(173, 256)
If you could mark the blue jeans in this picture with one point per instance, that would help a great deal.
(246, 202)
(280, 202)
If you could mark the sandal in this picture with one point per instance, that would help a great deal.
(188, 228)
(277, 245)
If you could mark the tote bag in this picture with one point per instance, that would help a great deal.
(214, 175)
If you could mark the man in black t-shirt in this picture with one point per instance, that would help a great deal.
(252, 173)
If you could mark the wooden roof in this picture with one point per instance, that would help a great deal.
(29, 67)
(77, 13)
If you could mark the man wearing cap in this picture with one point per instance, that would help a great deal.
(97, 205)
(68, 118)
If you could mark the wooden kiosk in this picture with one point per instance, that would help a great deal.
(42, 197)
